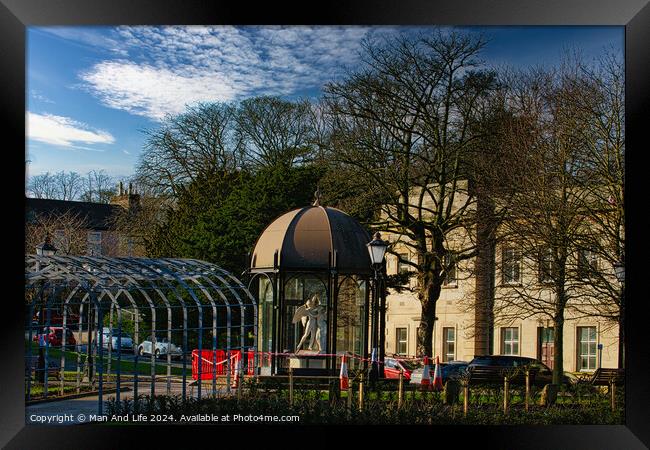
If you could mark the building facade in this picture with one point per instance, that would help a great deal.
(590, 340)
(81, 228)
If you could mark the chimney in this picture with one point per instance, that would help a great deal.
(134, 199)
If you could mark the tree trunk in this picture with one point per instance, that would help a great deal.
(621, 331)
(429, 294)
(558, 346)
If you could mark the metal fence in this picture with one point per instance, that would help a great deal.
(99, 323)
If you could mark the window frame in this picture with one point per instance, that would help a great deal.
(588, 342)
(94, 244)
(546, 266)
(510, 341)
(398, 341)
(447, 259)
(516, 257)
(446, 342)
(587, 265)
(403, 267)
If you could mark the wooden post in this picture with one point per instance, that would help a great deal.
(506, 393)
(527, 398)
(465, 398)
(361, 393)
(290, 386)
(400, 392)
(349, 398)
(612, 391)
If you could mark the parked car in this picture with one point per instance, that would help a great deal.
(393, 365)
(110, 339)
(498, 363)
(448, 370)
(55, 338)
(162, 348)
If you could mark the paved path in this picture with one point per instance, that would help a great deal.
(85, 409)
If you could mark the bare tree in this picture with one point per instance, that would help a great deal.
(68, 232)
(98, 187)
(599, 93)
(42, 186)
(68, 185)
(402, 133)
(546, 265)
(59, 186)
(137, 226)
(200, 141)
(275, 131)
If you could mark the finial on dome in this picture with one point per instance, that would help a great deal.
(317, 197)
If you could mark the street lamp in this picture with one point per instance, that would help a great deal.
(46, 248)
(619, 270)
(377, 251)
(43, 249)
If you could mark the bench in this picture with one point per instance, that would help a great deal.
(606, 377)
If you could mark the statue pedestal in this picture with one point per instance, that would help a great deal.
(306, 359)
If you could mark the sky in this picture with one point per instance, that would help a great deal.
(91, 92)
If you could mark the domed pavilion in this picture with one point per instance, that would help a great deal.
(311, 270)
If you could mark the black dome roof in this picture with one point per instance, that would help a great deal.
(314, 237)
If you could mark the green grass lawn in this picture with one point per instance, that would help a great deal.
(126, 366)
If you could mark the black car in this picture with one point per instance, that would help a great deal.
(540, 373)
(452, 370)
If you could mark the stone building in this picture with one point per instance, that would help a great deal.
(81, 228)
(463, 328)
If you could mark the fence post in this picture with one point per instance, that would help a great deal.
(349, 399)
(400, 393)
(612, 392)
(465, 398)
(361, 393)
(527, 398)
(291, 386)
(506, 394)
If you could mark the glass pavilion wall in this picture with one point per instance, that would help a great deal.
(280, 295)
(95, 323)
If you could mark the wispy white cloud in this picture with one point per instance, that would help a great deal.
(91, 38)
(168, 68)
(64, 131)
(37, 95)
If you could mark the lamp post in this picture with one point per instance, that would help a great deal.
(43, 249)
(619, 270)
(377, 251)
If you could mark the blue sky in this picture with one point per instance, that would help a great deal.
(91, 91)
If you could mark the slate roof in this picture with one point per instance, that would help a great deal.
(97, 215)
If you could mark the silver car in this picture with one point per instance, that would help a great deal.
(162, 348)
(113, 339)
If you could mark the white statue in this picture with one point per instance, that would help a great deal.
(313, 316)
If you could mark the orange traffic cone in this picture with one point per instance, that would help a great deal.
(426, 380)
(437, 376)
(344, 374)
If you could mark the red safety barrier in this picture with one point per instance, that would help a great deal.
(207, 366)
(207, 363)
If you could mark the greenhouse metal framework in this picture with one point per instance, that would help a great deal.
(134, 321)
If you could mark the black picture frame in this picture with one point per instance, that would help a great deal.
(16, 15)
